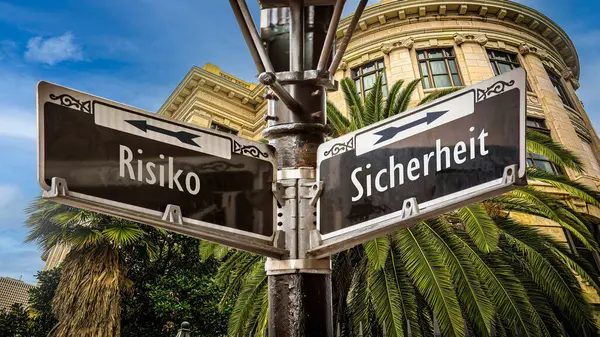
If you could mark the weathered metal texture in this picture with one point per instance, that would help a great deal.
(300, 305)
(296, 143)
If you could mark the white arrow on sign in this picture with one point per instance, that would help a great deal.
(419, 121)
(131, 122)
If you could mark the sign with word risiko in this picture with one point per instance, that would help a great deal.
(122, 161)
(459, 149)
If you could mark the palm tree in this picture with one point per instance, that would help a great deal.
(88, 297)
(473, 272)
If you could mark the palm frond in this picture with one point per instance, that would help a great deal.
(574, 188)
(246, 308)
(207, 249)
(385, 294)
(543, 145)
(377, 252)
(358, 298)
(408, 297)
(557, 282)
(354, 102)
(392, 99)
(480, 227)
(578, 265)
(374, 102)
(432, 279)
(479, 309)
(504, 290)
(339, 123)
(123, 233)
(558, 213)
(404, 96)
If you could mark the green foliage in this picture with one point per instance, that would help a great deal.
(15, 322)
(470, 272)
(40, 301)
(172, 286)
(130, 279)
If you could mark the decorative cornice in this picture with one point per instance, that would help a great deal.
(198, 77)
(462, 38)
(387, 47)
(521, 18)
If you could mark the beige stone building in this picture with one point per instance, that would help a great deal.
(448, 43)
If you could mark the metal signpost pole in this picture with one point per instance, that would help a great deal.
(300, 301)
(299, 38)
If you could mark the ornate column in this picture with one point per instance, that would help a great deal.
(473, 59)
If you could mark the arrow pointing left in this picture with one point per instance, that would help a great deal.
(182, 136)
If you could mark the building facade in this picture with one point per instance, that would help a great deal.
(13, 292)
(447, 43)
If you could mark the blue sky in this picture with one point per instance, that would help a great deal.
(136, 52)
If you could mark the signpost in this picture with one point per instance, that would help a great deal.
(122, 161)
(455, 151)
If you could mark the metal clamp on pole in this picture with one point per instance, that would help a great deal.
(305, 266)
(270, 79)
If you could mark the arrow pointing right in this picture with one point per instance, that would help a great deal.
(391, 132)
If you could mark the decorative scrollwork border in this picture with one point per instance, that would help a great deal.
(340, 147)
(496, 88)
(70, 101)
(251, 150)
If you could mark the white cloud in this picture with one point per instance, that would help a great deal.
(15, 122)
(53, 50)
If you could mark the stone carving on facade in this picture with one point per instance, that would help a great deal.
(387, 48)
(567, 74)
(481, 39)
(343, 65)
(575, 83)
(461, 38)
(525, 48)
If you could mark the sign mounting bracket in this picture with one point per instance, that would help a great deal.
(58, 188)
(315, 192)
(510, 175)
(173, 214)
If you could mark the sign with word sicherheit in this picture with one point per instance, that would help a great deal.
(122, 161)
(454, 151)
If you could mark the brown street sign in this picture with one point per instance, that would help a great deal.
(111, 158)
(457, 150)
